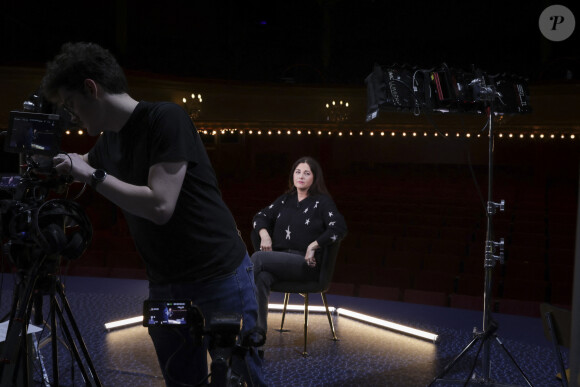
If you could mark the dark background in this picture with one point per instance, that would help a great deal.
(299, 41)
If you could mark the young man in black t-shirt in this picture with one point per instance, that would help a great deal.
(150, 161)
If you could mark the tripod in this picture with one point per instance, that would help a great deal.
(15, 361)
(489, 325)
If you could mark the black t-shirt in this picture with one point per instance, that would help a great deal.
(201, 240)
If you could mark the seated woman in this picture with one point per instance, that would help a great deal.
(292, 230)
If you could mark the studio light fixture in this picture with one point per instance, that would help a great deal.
(123, 323)
(387, 324)
(312, 308)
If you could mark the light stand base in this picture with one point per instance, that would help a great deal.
(479, 381)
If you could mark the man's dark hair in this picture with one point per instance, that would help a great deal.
(79, 61)
(318, 186)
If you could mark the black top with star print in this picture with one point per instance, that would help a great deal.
(293, 225)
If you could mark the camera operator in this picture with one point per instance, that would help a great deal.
(150, 161)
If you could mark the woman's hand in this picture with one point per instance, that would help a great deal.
(309, 257)
(265, 240)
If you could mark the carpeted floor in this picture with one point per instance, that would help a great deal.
(365, 355)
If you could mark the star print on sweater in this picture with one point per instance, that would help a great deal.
(294, 224)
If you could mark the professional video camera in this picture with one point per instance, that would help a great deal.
(30, 223)
(443, 89)
(36, 231)
(223, 332)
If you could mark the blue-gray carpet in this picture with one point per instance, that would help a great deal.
(365, 355)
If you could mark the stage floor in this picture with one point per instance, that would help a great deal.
(365, 355)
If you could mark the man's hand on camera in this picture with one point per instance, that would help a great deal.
(44, 163)
(73, 164)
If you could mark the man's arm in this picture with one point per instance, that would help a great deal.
(156, 201)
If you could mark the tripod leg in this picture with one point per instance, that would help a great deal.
(455, 360)
(72, 346)
(53, 340)
(79, 338)
(40, 359)
(513, 361)
(15, 343)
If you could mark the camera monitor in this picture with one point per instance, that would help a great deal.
(9, 182)
(33, 133)
(163, 312)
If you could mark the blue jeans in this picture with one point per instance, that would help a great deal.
(184, 363)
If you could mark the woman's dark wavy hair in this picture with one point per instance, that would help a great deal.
(79, 61)
(318, 186)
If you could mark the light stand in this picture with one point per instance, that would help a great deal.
(489, 325)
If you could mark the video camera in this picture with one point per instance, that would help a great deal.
(31, 225)
(223, 332)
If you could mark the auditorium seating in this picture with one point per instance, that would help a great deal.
(392, 293)
(416, 234)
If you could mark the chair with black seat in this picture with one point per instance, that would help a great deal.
(557, 329)
(328, 262)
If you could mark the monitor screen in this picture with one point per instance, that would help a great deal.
(33, 133)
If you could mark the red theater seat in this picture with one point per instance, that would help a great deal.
(525, 290)
(442, 262)
(464, 301)
(519, 307)
(341, 289)
(435, 281)
(527, 270)
(411, 260)
(425, 297)
(380, 292)
(392, 277)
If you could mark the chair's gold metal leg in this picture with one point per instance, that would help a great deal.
(286, 299)
(323, 295)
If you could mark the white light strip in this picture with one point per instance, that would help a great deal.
(311, 308)
(387, 324)
(125, 322)
(137, 320)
